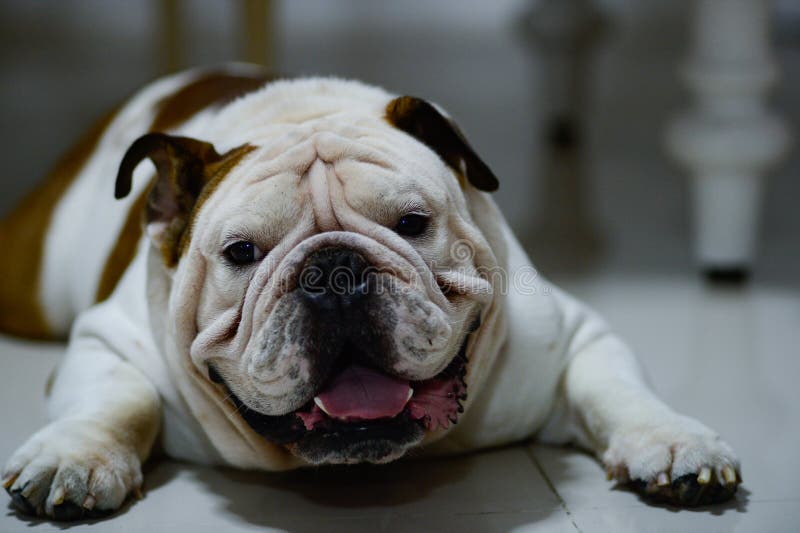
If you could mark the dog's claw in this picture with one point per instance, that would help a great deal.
(8, 481)
(88, 502)
(704, 476)
(729, 475)
(28, 490)
(687, 490)
(58, 495)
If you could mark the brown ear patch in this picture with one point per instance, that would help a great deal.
(213, 89)
(422, 121)
(187, 172)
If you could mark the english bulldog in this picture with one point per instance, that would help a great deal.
(305, 272)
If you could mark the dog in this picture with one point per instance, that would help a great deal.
(310, 272)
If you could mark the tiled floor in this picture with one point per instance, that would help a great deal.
(728, 356)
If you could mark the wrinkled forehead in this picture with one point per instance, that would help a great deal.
(371, 164)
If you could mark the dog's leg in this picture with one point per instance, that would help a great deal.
(105, 418)
(606, 406)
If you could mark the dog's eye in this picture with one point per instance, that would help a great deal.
(411, 225)
(243, 253)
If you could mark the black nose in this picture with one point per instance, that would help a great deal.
(334, 278)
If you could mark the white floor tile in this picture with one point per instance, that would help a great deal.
(763, 517)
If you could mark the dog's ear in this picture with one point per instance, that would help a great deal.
(423, 121)
(184, 166)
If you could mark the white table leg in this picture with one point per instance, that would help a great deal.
(562, 36)
(729, 139)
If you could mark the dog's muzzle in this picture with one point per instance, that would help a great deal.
(344, 347)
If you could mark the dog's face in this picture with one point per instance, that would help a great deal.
(326, 276)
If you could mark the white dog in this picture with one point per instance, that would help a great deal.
(312, 272)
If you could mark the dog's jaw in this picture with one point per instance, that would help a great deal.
(318, 438)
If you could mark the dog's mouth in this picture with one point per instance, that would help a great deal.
(361, 413)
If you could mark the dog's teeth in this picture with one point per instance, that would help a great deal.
(321, 405)
(704, 476)
(663, 479)
(410, 394)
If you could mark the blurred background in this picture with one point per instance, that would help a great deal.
(512, 72)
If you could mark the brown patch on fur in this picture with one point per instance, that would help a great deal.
(422, 121)
(212, 89)
(22, 236)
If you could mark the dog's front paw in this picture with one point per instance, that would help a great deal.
(71, 470)
(679, 461)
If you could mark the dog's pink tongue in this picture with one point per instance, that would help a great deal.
(362, 393)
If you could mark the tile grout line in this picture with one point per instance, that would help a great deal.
(562, 503)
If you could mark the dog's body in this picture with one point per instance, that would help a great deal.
(455, 341)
